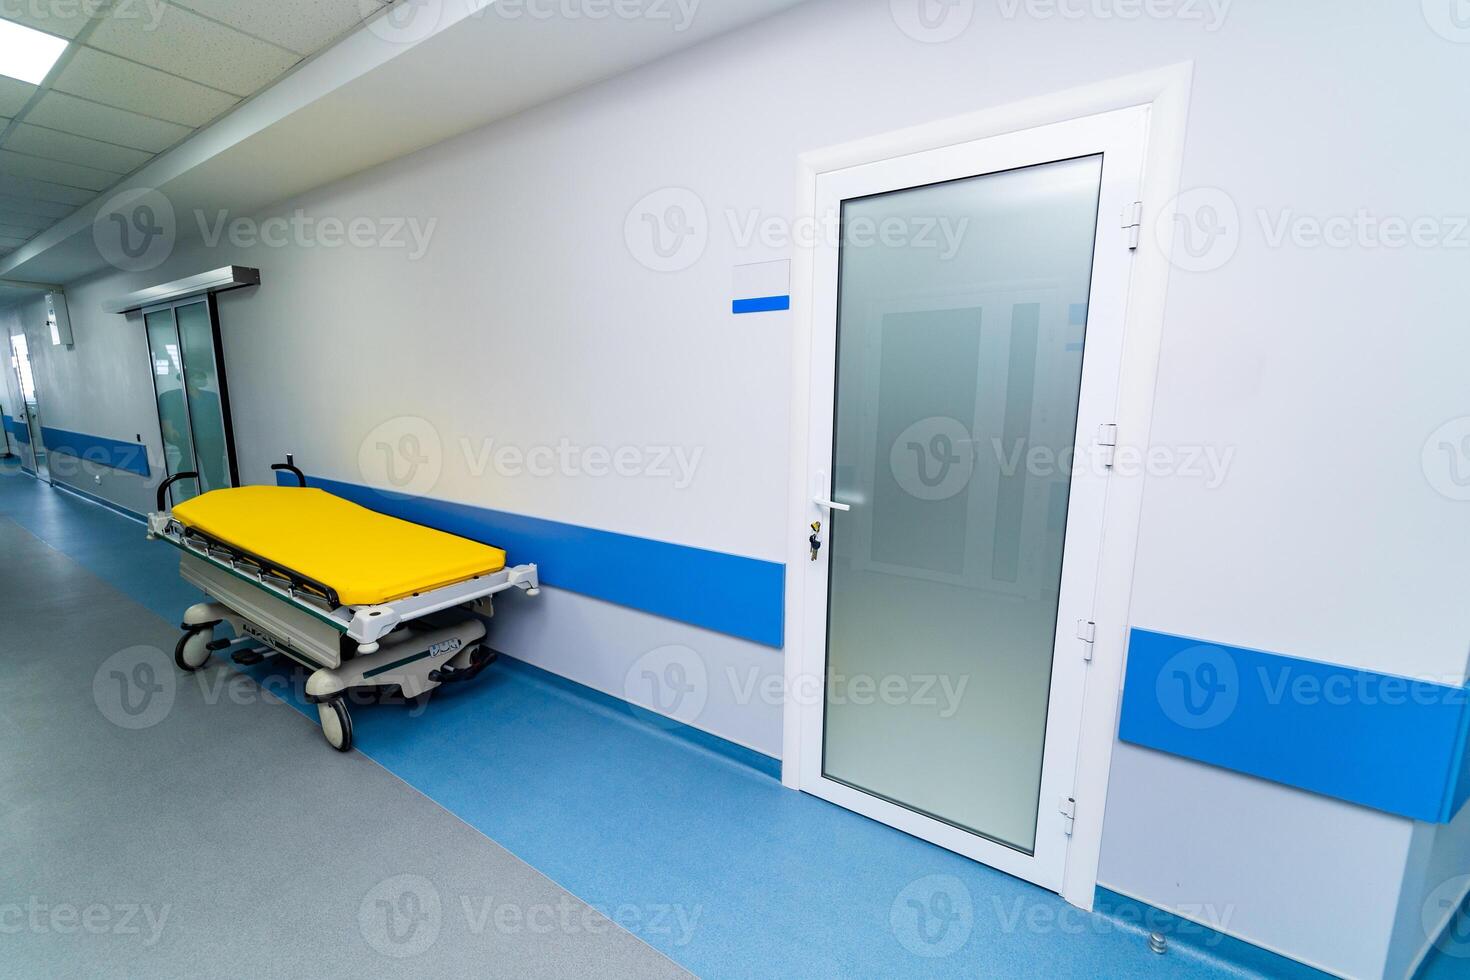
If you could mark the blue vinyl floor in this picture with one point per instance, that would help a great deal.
(704, 856)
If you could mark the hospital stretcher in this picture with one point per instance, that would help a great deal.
(362, 599)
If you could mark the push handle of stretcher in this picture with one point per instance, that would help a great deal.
(290, 466)
(163, 488)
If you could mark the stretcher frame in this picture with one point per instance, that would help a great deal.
(413, 644)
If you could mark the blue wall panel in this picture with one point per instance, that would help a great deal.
(731, 594)
(18, 430)
(1380, 740)
(1460, 792)
(128, 456)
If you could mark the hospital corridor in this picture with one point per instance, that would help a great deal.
(734, 489)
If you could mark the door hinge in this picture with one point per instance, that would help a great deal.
(1087, 633)
(1069, 814)
(1132, 222)
(1107, 441)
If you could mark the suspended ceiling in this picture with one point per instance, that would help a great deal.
(418, 73)
(138, 78)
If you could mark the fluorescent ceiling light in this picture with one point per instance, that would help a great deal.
(27, 54)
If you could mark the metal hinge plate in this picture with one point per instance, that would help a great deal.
(1087, 633)
(1132, 222)
(1069, 814)
(1107, 441)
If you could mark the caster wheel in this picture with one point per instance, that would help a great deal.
(192, 650)
(336, 724)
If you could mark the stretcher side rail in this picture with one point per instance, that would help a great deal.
(364, 624)
(299, 585)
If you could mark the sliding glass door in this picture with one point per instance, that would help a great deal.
(192, 394)
(32, 445)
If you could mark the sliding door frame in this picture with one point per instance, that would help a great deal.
(212, 308)
(29, 415)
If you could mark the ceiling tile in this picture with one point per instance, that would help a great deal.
(9, 242)
(21, 165)
(45, 191)
(302, 27)
(183, 43)
(19, 219)
(48, 143)
(113, 81)
(57, 110)
(65, 19)
(14, 94)
(34, 208)
(15, 231)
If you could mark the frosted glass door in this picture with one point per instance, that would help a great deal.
(958, 373)
(167, 359)
(206, 403)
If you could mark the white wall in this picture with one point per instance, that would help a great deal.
(99, 387)
(1324, 369)
(1436, 878)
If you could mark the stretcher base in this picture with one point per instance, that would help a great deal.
(415, 658)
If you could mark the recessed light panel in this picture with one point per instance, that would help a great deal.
(27, 54)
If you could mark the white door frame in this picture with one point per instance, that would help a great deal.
(1166, 92)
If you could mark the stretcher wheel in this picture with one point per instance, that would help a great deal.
(192, 650)
(336, 724)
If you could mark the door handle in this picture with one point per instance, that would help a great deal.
(830, 505)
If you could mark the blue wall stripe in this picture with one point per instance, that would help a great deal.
(1380, 740)
(1460, 791)
(761, 304)
(18, 430)
(731, 594)
(128, 456)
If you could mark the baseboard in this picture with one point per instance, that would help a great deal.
(1426, 953)
(696, 737)
(1201, 941)
(92, 498)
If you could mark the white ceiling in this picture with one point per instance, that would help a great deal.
(137, 79)
(372, 96)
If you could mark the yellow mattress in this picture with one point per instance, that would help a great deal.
(369, 558)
